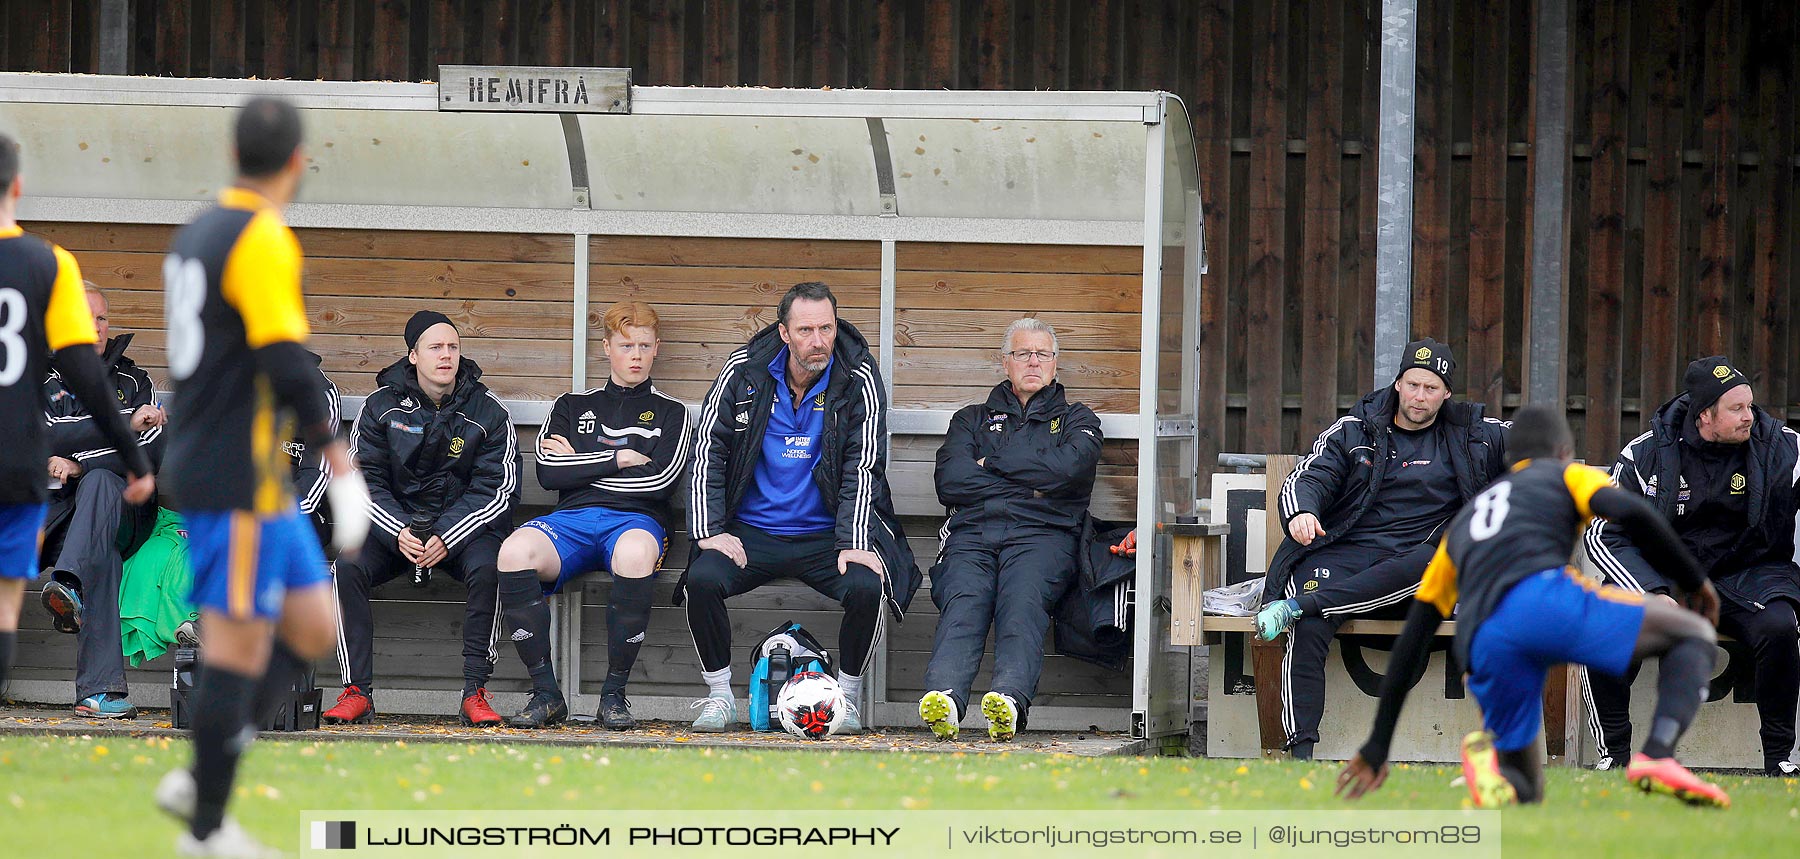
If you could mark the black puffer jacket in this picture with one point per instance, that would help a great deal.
(457, 461)
(851, 469)
(1340, 478)
(1038, 464)
(1650, 466)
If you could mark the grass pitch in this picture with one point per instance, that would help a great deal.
(59, 792)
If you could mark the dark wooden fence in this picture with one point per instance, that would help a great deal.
(1683, 159)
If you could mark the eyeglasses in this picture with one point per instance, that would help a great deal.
(1024, 355)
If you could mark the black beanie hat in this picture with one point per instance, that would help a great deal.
(1428, 354)
(415, 327)
(1707, 380)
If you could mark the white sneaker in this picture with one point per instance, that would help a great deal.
(938, 711)
(716, 713)
(229, 841)
(176, 794)
(1002, 713)
(851, 723)
(1603, 764)
(1783, 769)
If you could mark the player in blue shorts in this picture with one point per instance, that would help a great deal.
(44, 319)
(615, 455)
(243, 384)
(1503, 567)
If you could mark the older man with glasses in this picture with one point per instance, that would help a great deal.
(1015, 473)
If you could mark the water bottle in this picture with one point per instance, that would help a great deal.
(781, 667)
(420, 526)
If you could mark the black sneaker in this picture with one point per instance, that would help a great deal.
(543, 710)
(615, 712)
(1778, 769)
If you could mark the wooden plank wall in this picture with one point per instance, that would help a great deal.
(1683, 157)
(508, 294)
(714, 294)
(1684, 229)
(955, 302)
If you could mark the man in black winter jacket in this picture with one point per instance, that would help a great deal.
(790, 481)
(1015, 473)
(1727, 475)
(1364, 511)
(442, 464)
(89, 518)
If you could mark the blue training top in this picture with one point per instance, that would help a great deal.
(782, 498)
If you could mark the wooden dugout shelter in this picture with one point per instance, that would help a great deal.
(937, 217)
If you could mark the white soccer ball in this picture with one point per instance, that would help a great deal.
(811, 705)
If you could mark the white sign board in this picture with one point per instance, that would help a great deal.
(534, 89)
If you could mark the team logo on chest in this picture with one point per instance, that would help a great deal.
(646, 417)
(587, 423)
(1737, 484)
(796, 447)
(456, 447)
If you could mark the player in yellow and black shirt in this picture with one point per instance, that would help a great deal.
(236, 329)
(43, 319)
(1504, 561)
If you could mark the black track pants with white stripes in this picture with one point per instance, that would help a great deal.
(1351, 582)
(1773, 635)
(380, 562)
(811, 558)
(1770, 633)
(1609, 698)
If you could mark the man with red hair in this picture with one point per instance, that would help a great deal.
(615, 455)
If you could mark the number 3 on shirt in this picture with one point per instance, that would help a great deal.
(1490, 511)
(184, 285)
(12, 337)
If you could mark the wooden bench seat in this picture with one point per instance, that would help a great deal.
(1562, 689)
(1221, 623)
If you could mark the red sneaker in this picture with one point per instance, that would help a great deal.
(477, 713)
(1488, 788)
(1665, 775)
(353, 707)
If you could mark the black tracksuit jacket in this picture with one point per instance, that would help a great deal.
(311, 474)
(600, 423)
(851, 469)
(457, 462)
(1754, 565)
(75, 435)
(1342, 477)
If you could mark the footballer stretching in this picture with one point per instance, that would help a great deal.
(1503, 568)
